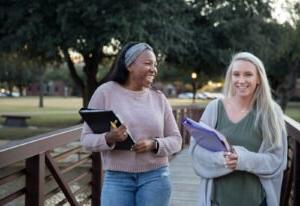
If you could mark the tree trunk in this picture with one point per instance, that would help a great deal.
(287, 88)
(91, 85)
(90, 70)
(76, 78)
(10, 85)
(20, 88)
(41, 72)
(84, 97)
(41, 93)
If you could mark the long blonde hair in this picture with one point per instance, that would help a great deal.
(270, 120)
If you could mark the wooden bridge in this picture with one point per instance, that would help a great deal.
(53, 169)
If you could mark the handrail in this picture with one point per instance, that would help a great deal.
(22, 149)
(293, 127)
(293, 177)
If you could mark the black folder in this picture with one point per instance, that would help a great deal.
(99, 122)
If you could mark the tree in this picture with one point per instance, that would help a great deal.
(225, 27)
(286, 68)
(61, 73)
(17, 71)
(49, 29)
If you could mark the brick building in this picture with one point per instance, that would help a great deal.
(52, 88)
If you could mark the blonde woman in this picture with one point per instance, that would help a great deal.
(253, 123)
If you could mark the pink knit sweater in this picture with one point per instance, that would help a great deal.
(147, 114)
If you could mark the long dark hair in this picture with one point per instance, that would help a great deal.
(119, 72)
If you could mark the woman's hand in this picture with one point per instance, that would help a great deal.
(144, 145)
(116, 135)
(231, 159)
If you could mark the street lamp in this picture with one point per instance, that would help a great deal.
(194, 77)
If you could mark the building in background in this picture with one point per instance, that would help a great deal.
(52, 88)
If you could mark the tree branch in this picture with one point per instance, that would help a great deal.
(72, 70)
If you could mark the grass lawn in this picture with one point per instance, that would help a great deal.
(30, 104)
(60, 112)
(293, 110)
(182, 102)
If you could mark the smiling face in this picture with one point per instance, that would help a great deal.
(143, 70)
(244, 78)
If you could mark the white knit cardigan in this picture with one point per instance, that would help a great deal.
(268, 163)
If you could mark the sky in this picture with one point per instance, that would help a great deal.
(281, 13)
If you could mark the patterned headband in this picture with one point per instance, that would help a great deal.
(134, 51)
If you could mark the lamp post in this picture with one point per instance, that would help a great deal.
(194, 77)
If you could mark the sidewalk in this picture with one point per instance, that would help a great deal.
(183, 179)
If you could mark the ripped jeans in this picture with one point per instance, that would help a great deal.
(151, 188)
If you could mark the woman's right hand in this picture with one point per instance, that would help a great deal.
(231, 160)
(116, 135)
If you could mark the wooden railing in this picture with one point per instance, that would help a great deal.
(53, 169)
(290, 194)
(41, 167)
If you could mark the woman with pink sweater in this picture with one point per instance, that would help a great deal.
(137, 177)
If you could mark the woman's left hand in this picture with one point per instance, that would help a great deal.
(231, 159)
(144, 145)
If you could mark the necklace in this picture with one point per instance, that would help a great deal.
(244, 110)
(234, 108)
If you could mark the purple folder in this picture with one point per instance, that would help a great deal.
(206, 136)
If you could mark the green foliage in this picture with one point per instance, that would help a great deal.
(60, 72)
(17, 70)
(42, 27)
(45, 29)
(28, 27)
(225, 27)
(187, 36)
(286, 53)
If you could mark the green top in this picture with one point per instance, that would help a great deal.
(238, 187)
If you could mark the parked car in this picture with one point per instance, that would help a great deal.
(213, 95)
(185, 95)
(200, 95)
(4, 94)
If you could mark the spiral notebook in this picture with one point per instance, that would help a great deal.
(99, 122)
(206, 136)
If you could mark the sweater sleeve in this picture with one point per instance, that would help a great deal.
(267, 164)
(89, 140)
(208, 164)
(270, 161)
(172, 140)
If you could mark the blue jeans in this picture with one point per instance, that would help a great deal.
(151, 188)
